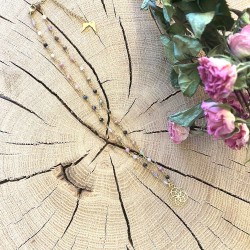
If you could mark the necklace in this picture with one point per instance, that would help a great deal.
(115, 132)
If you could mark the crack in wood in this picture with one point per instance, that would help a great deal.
(4, 63)
(149, 107)
(73, 214)
(35, 207)
(6, 19)
(23, 107)
(236, 226)
(109, 80)
(36, 232)
(104, 6)
(183, 222)
(38, 143)
(175, 93)
(198, 152)
(122, 205)
(156, 132)
(153, 17)
(135, 131)
(128, 110)
(129, 57)
(99, 152)
(23, 36)
(114, 7)
(89, 65)
(105, 228)
(218, 238)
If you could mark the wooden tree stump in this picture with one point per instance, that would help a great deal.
(62, 186)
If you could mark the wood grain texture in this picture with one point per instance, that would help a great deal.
(64, 187)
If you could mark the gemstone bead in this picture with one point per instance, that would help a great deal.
(85, 97)
(127, 150)
(72, 59)
(167, 177)
(81, 68)
(100, 102)
(77, 86)
(61, 65)
(165, 182)
(110, 130)
(88, 79)
(56, 38)
(94, 91)
(39, 33)
(52, 55)
(116, 122)
(155, 174)
(149, 159)
(44, 17)
(160, 168)
(101, 119)
(125, 132)
(64, 47)
(94, 107)
(69, 77)
(144, 164)
(33, 22)
(50, 28)
(135, 156)
(45, 45)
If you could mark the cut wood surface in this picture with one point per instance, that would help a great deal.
(64, 187)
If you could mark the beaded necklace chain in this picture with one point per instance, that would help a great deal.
(114, 129)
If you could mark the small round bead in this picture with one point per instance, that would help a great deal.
(94, 91)
(64, 47)
(155, 174)
(33, 22)
(133, 142)
(39, 33)
(69, 77)
(116, 122)
(100, 102)
(160, 168)
(167, 177)
(94, 107)
(81, 68)
(88, 79)
(61, 65)
(125, 132)
(52, 55)
(44, 17)
(149, 159)
(50, 27)
(56, 38)
(110, 130)
(135, 156)
(144, 164)
(101, 119)
(141, 152)
(72, 59)
(45, 45)
(85, 97)
(127, 150)
(165, 182)
(77, 86)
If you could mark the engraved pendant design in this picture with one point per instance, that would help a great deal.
(178, 196)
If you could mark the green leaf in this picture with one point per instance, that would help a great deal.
(157, 14)
(187, 6)
(189, 78)
(241, 81)
(187, 117)
(168, 11)
(169, 49)
(217, 51)
(199, 21)
(245, 18)
(176, 28)
(145, 4)
(185, 47)
(174, 79)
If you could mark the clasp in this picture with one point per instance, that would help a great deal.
(34, 7)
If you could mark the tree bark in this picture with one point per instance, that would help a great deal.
(64, 187)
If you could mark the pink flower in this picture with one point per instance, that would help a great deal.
(233, 101)
(220, 122)
(239, 43)
(218, 76)
(177, 133)
(240, 139)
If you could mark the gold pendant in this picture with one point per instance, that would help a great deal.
(89, 24)
(178, 196)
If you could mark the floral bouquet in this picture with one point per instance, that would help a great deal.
(211, 50)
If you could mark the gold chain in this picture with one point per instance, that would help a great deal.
(177, 195)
